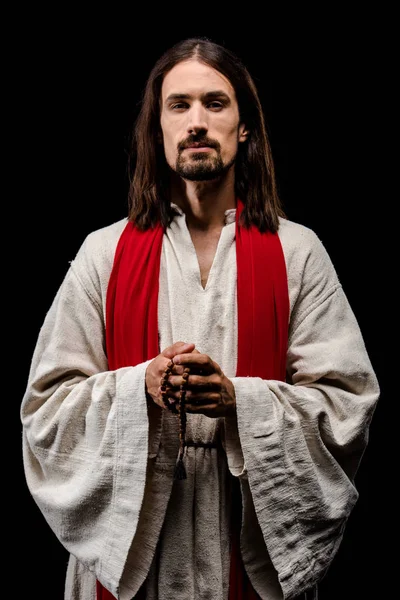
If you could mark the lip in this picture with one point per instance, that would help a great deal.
(199, 148)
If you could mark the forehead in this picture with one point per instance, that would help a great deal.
(193, 77)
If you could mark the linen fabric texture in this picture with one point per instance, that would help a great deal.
(99, 457)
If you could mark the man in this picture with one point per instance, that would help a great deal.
(200, 394)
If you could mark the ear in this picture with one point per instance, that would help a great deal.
(243, 133)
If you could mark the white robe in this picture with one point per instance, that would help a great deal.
(99, 458)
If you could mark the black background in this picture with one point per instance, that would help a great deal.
(77, 86)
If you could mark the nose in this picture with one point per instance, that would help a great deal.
(197, 119)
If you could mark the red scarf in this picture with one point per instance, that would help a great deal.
(263, 314)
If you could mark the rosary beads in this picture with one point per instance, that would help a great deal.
(178, 408)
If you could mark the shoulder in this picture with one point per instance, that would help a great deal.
(311, 273)
(103, 241)
(303, 249)
(93, 262)
(295, 236)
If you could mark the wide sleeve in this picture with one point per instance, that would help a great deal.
(85, 430)
(297, 444)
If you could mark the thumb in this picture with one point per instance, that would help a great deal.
(178, 348)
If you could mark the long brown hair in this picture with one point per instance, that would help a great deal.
(149, 194)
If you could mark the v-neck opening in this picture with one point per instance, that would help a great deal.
(214, 260)
(190, 266)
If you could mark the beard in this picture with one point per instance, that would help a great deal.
(201, 166)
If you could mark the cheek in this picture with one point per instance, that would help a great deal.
(170, 149)
(169, 146)
(231, 142)
(228, 132)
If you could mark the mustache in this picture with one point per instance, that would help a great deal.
(200, 141)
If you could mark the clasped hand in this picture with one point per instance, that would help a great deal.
(208, 390)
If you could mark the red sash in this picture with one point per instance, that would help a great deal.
(263, 315)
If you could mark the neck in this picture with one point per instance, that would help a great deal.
(204, 203)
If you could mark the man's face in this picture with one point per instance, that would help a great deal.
(199, 121)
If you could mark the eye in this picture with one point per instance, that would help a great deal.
(215, 105)
(178, 106)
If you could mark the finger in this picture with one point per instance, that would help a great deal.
(196, 402)
(178, 347)
(208, 399)
(177, 372)
(195, 382)
(205, 409)
(196, 408)
(195, 361)
(173, 396)
(204, 382)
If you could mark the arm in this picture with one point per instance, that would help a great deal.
(85, 429)
(296, 445)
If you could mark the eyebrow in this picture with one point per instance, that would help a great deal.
(214, 95)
